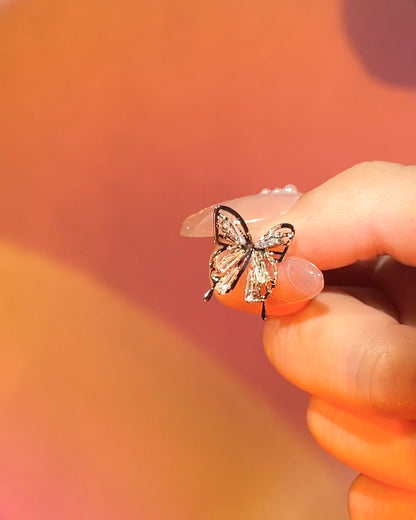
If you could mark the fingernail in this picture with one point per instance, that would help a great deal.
(257, 210)
(298, 280)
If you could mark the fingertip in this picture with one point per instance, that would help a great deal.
(298, 281)
(274, 306)
(357, 215)
(370, 499)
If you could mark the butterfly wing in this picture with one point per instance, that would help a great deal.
(229, 261)
(226, 267)
(277, 240)
(230, 228)
(268, 252)
(261, 277)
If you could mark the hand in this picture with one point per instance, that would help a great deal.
(353, 348)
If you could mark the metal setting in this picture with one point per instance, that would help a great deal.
(236, 252)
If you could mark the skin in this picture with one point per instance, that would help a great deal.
(353, 347)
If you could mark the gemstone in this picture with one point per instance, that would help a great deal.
(290, 188)
(276, 236)
(261, 277)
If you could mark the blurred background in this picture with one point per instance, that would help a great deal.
(123, 396)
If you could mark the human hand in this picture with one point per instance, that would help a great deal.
(353, 348)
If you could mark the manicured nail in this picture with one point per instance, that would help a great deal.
(257, 210)
(298, 280)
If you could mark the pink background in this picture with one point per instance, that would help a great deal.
(123, 395)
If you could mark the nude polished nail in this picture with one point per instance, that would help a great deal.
(257, 210)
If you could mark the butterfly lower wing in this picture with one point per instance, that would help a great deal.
(277, 240)
(261, 277)
(226, 266)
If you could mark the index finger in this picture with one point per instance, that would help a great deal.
(361, 213)
(364, 212)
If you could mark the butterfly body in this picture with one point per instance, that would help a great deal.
(237, 252)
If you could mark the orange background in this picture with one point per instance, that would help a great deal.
(122, 395)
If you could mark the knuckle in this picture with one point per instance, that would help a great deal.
(367, 170)
(381, 375)
(391, 375)
(367, 167)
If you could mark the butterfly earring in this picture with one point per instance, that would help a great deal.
(237, 252)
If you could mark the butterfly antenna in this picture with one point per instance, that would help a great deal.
(208, 294)
(263, 311)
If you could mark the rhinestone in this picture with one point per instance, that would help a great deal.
(290, 188)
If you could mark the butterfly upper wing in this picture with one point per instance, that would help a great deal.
(277, 240)
(230, 228)
(229, 261)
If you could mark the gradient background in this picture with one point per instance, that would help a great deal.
(122, 396)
